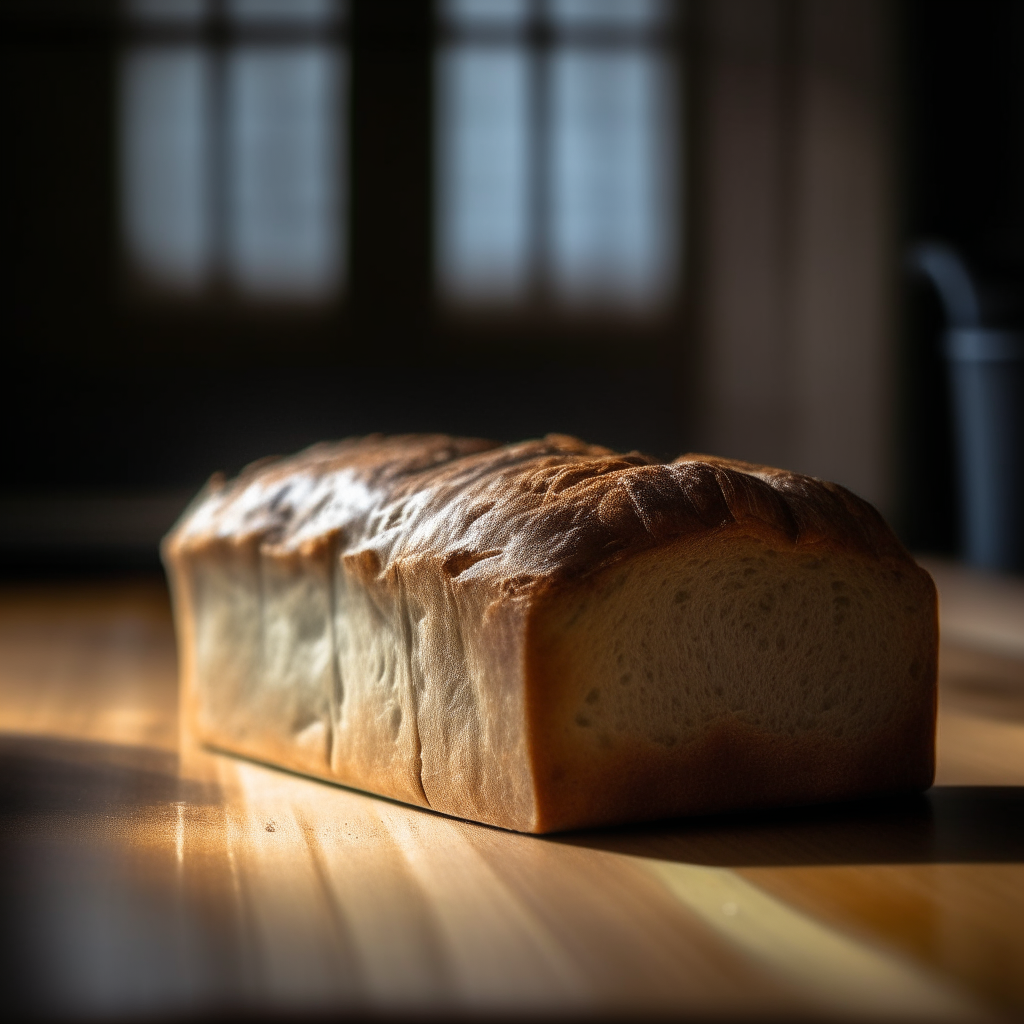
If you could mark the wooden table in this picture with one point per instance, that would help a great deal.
(138, 877)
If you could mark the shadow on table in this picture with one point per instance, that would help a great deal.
(64, 781)
(100, 915)
(948, 824)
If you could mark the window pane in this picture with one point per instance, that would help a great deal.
(165, 96)
(612, 175)
(483, 171)
(284, 166)
(488, 14)
(168, 12)
(284, 12)
(608, 14)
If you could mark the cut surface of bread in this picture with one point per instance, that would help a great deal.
(731, 674)
(550, 635)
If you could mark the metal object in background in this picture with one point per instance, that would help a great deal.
(986, 374)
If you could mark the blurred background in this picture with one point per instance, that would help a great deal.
(232, 228)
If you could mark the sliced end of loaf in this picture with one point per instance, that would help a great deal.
(730, 673)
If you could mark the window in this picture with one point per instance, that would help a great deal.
(558, 170)
(233, 148)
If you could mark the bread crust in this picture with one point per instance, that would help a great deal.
(455, 543)
(525, 516)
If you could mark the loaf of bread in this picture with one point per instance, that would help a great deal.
(550, 635)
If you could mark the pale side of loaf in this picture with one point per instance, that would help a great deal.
(549, 635)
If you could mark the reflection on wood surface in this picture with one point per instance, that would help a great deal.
(139, 878)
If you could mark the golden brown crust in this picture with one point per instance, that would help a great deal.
(524, 516)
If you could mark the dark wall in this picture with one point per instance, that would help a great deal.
(110, 390)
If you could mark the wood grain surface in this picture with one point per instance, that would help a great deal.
(143, 878)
